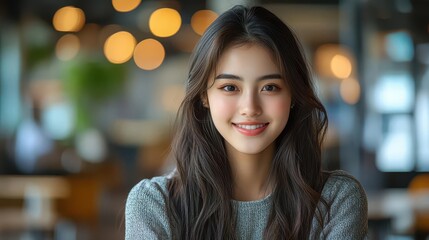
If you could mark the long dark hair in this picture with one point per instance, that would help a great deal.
(200, 192)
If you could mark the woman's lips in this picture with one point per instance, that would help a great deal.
(250, 129)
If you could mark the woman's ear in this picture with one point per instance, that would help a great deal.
(204, 100)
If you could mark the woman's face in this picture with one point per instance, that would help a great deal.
(248, 99)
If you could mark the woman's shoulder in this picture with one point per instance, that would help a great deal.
(340, 183)
(152, 184)
(149, 189)
(348, 208)
(145, 210)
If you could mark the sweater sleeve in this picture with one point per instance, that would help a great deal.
(145, 213)
(348, 218)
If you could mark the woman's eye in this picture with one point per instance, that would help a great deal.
(270, 88)
(229, 88)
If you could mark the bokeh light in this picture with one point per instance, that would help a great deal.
(125, 5)
(91, 145)
(68, 19)
(399, 46)
(341, 66)
(149, 54)
(165, 22)
(67, 47)
(333, 61)
(202, 19)
(393, 92)
(350, 91)
(119, 47)
(58, 120)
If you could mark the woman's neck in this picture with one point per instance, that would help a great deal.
(250, 173)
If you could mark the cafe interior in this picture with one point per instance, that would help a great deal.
(89, 92)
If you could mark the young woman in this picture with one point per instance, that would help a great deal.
(248, 147)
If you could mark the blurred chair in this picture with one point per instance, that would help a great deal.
(82, 203)
(89, 210)
(420, 185)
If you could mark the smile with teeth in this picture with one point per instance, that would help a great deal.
(250, 127)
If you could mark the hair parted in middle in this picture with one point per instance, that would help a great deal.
(200, 192)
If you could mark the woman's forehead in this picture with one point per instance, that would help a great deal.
(240, 54)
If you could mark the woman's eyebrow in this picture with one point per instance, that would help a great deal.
(235, 77)
(228, 76)
(270, 77)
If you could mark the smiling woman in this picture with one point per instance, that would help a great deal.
(249, 98)
(248, 146)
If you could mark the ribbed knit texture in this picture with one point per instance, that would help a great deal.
(146, 218)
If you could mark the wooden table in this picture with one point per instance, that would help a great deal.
(38, 194)
(398, 205)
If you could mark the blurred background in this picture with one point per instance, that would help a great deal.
(89, 91)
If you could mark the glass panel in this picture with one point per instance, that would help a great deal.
(394, 93)
(395, 153)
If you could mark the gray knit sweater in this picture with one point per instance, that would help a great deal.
(146, 218)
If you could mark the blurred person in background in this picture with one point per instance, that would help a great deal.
(32, 142)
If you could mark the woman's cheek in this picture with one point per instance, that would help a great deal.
(221, 103)
(280, 109)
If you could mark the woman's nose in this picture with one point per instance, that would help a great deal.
(250, 105)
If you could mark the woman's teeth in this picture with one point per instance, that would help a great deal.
(250, 127)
